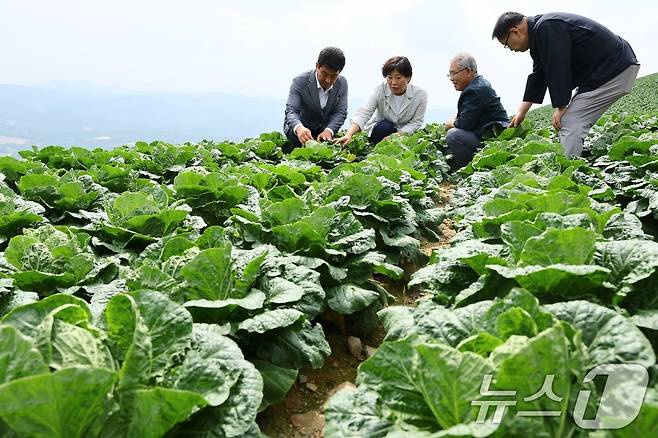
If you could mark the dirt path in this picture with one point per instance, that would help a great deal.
(300, 414)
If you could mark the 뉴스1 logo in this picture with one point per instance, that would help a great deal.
(619, 405)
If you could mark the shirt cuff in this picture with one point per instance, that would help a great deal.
(330, 130)
(294, 130)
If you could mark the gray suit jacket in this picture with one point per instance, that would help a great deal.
(303, 104)
(380, 107)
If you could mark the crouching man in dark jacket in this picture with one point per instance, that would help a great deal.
(479, 111)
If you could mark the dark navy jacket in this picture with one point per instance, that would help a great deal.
(570, 51)
(479, 107)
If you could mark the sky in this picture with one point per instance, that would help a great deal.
(255, 48)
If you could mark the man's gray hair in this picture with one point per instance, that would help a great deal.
(466, 60)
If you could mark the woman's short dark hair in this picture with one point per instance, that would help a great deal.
(332, 57)
(505, 22)
(399, 63)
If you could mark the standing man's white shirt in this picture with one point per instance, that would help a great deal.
(324, 97)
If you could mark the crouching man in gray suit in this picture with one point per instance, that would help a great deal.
(317, 102)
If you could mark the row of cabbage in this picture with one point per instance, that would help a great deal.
(552, 274)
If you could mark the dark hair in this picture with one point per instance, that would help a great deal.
(399, 63)
(332, 57)
(505, 22)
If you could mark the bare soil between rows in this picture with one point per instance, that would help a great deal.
(300, 414)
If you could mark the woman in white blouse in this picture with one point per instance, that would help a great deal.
(395, 106)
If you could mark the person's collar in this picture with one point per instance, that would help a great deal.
(531, 32)
(472, 81)
(409, 92)
(317, 81)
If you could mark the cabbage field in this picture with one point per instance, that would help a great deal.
(177, 290)
(553, 272)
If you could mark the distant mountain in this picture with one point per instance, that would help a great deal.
(50, 116)
(84, 114)
(86, 88)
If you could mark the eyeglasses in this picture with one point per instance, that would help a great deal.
(452, 74)
(507, 39)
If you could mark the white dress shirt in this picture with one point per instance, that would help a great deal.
(324, 94)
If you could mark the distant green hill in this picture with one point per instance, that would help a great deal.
(642, 99)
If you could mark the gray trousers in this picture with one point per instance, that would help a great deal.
(586, 108)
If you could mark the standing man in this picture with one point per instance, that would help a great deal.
(478, 111)
(569, 51)
(317, 102)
